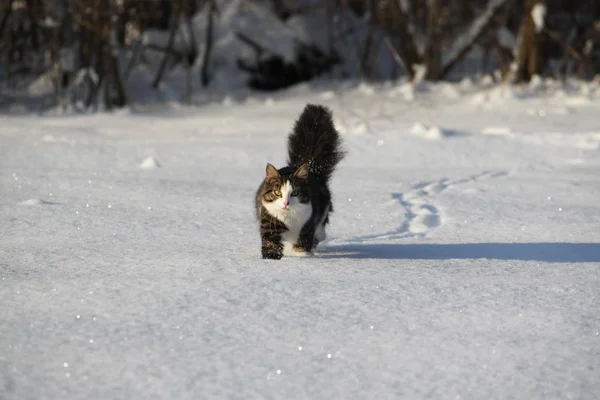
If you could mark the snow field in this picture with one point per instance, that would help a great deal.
(460, 265)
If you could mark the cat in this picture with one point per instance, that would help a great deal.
(293, 203)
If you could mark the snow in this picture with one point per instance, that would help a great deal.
(538, 14)
(506, 38)
(458, 265)
(35, 202)
(252, 19)
(49, 22)
(150, 163)
(431, 132)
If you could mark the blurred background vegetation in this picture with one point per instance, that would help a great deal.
(90, 54)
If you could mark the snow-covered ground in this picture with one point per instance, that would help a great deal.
(463, 260)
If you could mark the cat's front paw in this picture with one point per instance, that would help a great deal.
(271, 255)
(300, 252)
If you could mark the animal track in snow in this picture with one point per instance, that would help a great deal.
(37, 202)
(421, 215)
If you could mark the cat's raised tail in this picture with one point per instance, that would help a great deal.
(315, 141)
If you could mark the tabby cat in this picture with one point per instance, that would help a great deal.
(293, 203)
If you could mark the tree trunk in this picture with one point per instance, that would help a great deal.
(365, 65)
(529, 59)
(192, 52)
(115, 92)
(433, 58)
(208, 46)
(7, 9)
(395, 22)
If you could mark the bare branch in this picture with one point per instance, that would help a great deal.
(250, 42)
(395, 21)
(171, 42)
(7, 11)
(395, 54)
(478, 28)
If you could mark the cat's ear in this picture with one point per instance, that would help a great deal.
(302, 172)
(272, 172)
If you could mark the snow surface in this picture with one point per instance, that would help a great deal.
(150, 163)
(538, 14)
(463, 258)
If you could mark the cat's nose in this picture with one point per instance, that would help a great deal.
(285, 204)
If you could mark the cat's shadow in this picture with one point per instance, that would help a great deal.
(545, 252)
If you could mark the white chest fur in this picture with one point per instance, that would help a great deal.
(294, 225)
(294, 216)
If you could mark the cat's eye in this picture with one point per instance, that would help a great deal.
(295, 193)
(277, 192)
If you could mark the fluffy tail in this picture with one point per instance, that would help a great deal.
(316, 142)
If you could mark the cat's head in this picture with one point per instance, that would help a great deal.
(285, 192)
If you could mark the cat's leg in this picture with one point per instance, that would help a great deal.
(270, 233)
(272, 247)
(306, 239)
(320, 234)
